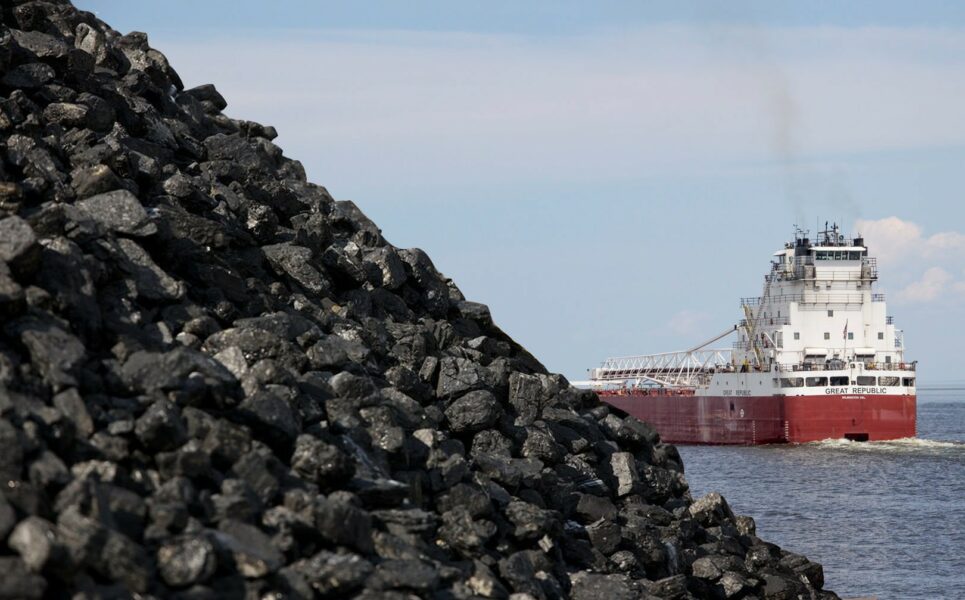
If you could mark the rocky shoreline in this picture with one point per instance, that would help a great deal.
(218, 381)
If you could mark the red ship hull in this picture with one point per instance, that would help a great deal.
(747, 420)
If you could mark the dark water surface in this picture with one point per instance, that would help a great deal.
(886, 519)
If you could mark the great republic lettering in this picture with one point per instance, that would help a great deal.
(855, 390)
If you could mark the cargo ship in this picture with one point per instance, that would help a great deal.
(816, 357)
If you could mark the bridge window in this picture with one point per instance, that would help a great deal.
(865, 380)
(817, 381)
(837, 255)
(908, 382)
(838, 381)
(889, 381)
(789, 382)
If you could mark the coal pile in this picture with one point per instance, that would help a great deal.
(218, 381)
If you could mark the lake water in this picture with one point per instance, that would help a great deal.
(886, 519)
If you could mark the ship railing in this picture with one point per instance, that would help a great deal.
(798, 270)
(814, 298)
(799, 273)
(842, 365)
(766, 321)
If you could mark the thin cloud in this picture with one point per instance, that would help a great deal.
(903, 247)
(931, 286)
(414, 106)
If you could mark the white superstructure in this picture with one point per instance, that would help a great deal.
(819, 306)
(817, 328)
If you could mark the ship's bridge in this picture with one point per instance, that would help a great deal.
(818, 305)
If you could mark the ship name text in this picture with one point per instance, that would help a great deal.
(855, 390)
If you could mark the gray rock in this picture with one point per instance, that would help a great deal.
(599, 586)
(320, 462)
(54, 352)
(337, 520)
(175, 370)
(531, 522)
(334, 575)
(413, 575)
(18, 245)
(734, 584)
(624, 469)
(119, 211)
(188, 560)
(208, 93)
(593, 508)
(35, 540)
(525, 395)
(605, 536)
(458, 376)
(41, 45)
(706, 568)
(150, 280)
(161, 428)
(252, 550)
(334, 352)
(29, 76)
(48, 471)
(66, 114)
(462, 532)
(295, 261)
(256, 344)
(473, 412)
(711, 509)
(269, 413)
(70, 403)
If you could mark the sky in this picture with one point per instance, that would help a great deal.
(612, 181)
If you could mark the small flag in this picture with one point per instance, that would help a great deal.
(845, 330)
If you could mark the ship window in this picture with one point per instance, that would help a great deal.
(817, 381)
(787, 382)
(797, 335)
(908, 382)
(855, 256)
(888, 359)
(881, 335)
(830, 313)
(827, 335)
(889, 381)
(850, 335)
(865, 380)
(839, 381)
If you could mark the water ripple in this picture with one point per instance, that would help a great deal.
(884, 518)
